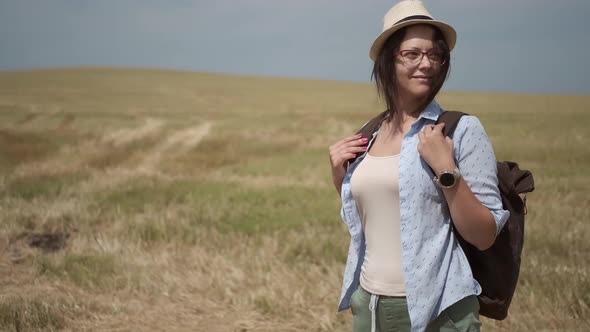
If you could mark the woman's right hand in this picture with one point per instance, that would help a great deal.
(340, 152)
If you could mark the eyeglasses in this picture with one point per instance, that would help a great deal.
(414, 57)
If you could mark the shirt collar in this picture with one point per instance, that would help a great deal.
(431, 112)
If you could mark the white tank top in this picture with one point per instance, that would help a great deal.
(375, 188)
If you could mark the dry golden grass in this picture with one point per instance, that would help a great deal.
(175, 201)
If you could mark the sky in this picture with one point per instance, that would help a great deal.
(518, 46)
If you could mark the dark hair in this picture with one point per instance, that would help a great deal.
(384, 71)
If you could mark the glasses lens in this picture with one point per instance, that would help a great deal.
(436, 57)
(414, 57)
(411, 57)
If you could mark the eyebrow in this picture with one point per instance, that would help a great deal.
(433, 49)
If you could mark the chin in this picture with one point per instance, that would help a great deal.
(421, 92)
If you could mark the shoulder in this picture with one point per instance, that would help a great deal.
(373, 124)
(469, 125)
(470, 139)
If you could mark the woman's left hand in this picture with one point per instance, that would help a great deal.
(436, 149)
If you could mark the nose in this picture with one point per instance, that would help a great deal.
(425, 62)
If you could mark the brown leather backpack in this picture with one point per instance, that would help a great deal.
(497, 268)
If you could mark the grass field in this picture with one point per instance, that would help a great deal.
(146, 200)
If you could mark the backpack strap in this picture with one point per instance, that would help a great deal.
(368, 129)
(521, 179)
(450, 119)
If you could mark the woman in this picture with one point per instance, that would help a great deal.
(405, 270)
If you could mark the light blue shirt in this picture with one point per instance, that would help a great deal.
(436, 270)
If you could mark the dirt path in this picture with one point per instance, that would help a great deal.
(128, 135)
(177, 143)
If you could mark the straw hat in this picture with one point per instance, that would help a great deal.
(405, 13)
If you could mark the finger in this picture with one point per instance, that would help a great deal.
(341, 159)
(356, 142)
(346, 140)
(352, 138)
(351, 150)
(428, 128)
(449, 141)
(421, 136)
(356, 149)
(438, 127)
(338, 156)
(343, 142)
(337, 152)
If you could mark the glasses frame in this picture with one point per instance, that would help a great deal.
(422, 53)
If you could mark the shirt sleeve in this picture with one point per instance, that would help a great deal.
(477, 164)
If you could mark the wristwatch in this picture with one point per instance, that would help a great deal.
(447, 178)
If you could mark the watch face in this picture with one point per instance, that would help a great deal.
(447, 179)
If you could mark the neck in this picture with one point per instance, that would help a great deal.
(410, 108)
(403, 118)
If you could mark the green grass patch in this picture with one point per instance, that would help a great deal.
(158, 229)
(97, 271)
(316, 252)
(258, 210)
(19, 313)
(42, 185)
(266, 305)
(226, 206)
(18, 147)
(144, 194)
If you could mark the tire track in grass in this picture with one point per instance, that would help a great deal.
(179, 142)
(127, 135)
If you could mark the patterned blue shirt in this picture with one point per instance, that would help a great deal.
(436, 270)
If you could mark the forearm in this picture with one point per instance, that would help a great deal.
(473, 220)
(338, 184)
(475, 157)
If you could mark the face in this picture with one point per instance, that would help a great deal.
(415, 81)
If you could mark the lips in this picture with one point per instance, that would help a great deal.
(422, 79)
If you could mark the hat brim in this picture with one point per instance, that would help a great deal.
(448, 32)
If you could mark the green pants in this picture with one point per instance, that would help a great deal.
(392, 314)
